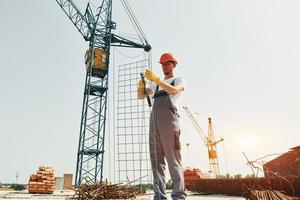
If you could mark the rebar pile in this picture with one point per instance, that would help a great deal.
(268, 195)
(105, 190)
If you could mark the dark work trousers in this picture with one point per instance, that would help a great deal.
(165, 144)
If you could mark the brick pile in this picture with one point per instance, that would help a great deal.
(43, 181)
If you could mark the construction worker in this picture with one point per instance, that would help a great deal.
(164, 128)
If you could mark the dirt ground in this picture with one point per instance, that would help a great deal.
(67, 194)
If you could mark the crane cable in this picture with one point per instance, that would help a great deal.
(196, 125)
(134, 21)
(127, 56)
(131, 20)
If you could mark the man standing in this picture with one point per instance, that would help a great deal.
(164, 128)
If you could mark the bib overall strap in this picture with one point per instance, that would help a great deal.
(160, 93)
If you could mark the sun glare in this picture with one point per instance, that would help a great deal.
(247, 141)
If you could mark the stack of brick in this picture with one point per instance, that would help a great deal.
(43, 181)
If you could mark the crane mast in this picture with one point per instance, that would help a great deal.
(209, 142)
(212, 149)
(96, 28)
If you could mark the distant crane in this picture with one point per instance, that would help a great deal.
(209, 141)
(96, 25)
(17, 177)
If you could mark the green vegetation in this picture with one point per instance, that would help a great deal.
(228, 176)
(18, 187)
(169, 184)
(143, 187)
(250, 176)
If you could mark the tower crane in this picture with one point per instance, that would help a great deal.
(96, 25)
(209, 142)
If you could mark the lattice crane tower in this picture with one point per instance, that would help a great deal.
(96, 28)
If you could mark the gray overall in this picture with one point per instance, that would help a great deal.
(165, 144)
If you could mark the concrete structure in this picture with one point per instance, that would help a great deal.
(59, 183)
(287, 164)
(68, 179)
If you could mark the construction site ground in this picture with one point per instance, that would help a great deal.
(67, 194)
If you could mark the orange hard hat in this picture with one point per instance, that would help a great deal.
(167, 57)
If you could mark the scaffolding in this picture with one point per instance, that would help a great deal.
(132, 134)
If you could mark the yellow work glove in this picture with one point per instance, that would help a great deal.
(141, 85)
(151, 76)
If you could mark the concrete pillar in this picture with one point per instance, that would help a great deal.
(59, 183)
(68, 178)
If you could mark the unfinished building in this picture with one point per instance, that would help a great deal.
(288, 164)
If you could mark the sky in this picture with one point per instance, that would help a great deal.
(240, 60)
